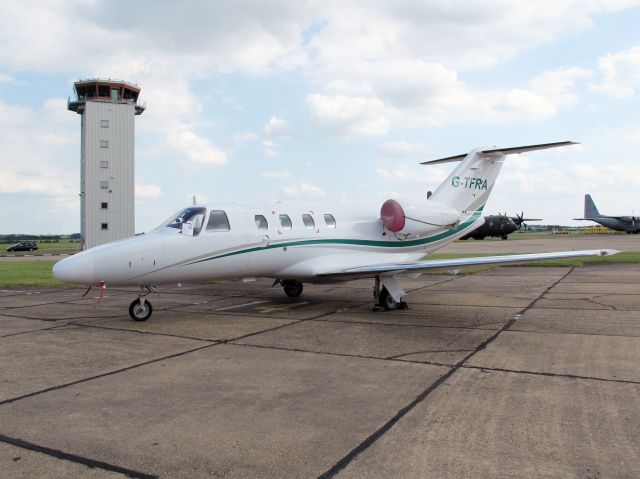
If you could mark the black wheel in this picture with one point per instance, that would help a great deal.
(386, 300)
(504, 237)
(140, 311)
(292, 288)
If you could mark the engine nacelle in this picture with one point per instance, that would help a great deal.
(417, 219)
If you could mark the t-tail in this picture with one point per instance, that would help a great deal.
(468, 187)
(590, 210)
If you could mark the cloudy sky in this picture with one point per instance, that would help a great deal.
(255, 101)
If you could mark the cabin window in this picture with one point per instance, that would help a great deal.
(308, 221)
(329, 220)
(261, 222)
(218, 221)
(285, 222)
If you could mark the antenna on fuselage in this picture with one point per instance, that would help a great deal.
(194, 200)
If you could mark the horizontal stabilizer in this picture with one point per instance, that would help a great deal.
(503, 151)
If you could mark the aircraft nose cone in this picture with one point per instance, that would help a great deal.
(79, 268)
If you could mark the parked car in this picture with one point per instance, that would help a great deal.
(23, 246)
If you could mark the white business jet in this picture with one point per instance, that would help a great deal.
(296, 244)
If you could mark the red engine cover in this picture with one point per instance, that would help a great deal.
(392, 215)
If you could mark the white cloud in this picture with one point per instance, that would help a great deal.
(427, 175)
(401, 149)
(276, 174)
(430, 94)
(348, 116)
(557, 85)
(278, 127)
(270, 148)
(4, 78)
(246, 137)
(620, 73)
(303, 189)
(197, 150)
(31, 139)
(633, 137)
(146, 192)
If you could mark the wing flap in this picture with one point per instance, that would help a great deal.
(417, 266)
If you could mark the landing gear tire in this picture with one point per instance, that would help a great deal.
(387, 302)
(140, 310)
(504, 237)
(292, 288)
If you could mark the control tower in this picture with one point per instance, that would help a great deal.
(107, 163)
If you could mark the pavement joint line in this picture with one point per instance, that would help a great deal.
(566, 333)
(618, 310)
(341, 355)
(553, 375)
(430, 351)
(255, 333)
(53, 320)
(474, 327)
(85, 461)
(152, 333)
(33, 331)
(102, 375)
(371, 439)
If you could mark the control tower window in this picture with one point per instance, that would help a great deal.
(104, 143)
(104, 123)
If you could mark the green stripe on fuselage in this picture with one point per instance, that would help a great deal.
(356, 242)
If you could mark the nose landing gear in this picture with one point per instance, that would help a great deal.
(140, 309)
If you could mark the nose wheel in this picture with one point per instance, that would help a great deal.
(140, 309)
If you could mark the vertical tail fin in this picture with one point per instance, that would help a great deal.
(590, 210)
(468, 187)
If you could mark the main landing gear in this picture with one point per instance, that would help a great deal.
(385, 301)
(140, 309)
(291, 287)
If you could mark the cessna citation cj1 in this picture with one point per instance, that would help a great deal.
(296, 245)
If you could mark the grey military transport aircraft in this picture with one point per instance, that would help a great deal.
(630, 224)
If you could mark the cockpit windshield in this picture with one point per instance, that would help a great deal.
(189, 220)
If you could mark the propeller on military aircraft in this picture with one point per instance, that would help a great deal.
(519, 220)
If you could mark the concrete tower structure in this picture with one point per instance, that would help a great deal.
(107, 163)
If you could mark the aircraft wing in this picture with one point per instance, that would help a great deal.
(434, 264)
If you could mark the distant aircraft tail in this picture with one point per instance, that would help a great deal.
(590, 210)
(468, 187)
